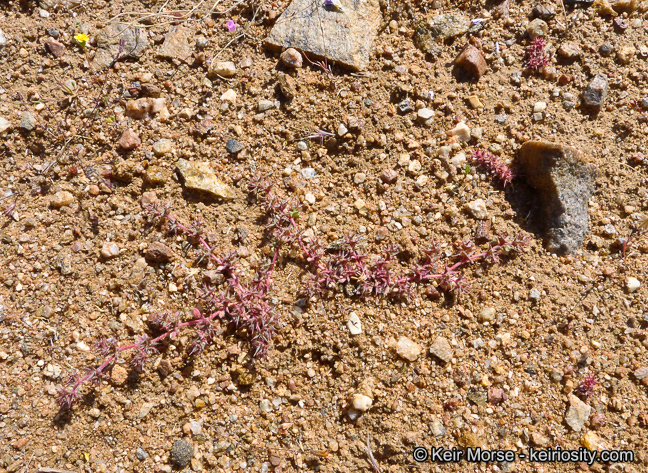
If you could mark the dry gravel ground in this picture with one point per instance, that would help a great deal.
(509, 354)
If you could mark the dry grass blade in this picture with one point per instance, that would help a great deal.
(372, 460)
(173, 16)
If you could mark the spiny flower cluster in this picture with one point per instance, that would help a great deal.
(494, 166)
(535, 55)
(586, 388)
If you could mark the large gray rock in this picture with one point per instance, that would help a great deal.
(430, 31)
(108, 41)
(346, 37)
(565, 181)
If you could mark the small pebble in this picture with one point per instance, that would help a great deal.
(118, 375)
(477, 208)
(233, 146)
(223, 68)
(441, 349)
(539, 107)
(361, 402)
(474, 102)
(109, 250)
(181, 453)
(632, 284)
(264, 105)
(129, 140)
(28, 121)
(354, 324)
(61, 199)
(537, 28)
(408, 349)
(162, 147)
(461, 132)
(291, 58)
(229, 96)
(141, 454)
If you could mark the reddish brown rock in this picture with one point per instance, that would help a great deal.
(389, 176)
(291, 58)
(158, 253)
(118, 375)
(497, 396)
(129, 140)
(472, 61)
(287, 85)
(55, 48)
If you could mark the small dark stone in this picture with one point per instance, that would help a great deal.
(165, 368)
(644, 102)
(596, 92)
(606, 49)
(158, 253)
(242, 233)
(405, 107)
(181, 453)
(141, 454)
(472, 61)
(368, 103)
(620, 24)
(233, 146)
(497, 396)
(389, 176)
(53, 32)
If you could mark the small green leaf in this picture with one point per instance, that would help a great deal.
(467, 169)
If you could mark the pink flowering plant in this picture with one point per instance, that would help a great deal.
(245, 303)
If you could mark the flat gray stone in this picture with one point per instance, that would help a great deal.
(135, 43)
(565, 182)
(431, 31)
(346, 37)
(596, 92)
(577, 413)
(176, 44)
(200, 176)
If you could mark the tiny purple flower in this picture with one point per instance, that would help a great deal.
(231, 26)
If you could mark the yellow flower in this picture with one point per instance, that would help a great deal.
(81, 39)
